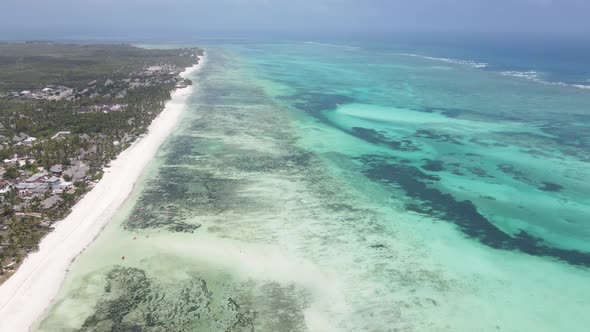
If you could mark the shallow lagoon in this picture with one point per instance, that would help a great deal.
(321, 188)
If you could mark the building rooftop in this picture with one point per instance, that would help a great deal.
(56, 168)
(51, 202)
(35, 177)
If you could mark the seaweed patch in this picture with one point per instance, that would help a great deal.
(550, 186)
(376, 137)
(464, 214)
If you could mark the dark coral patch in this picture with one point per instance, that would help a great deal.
(464, 214)
(515, 173)
(377, 137)
(436, 136)
(134, 302)
(313, 103)
(550, 186)
(433, 165)
(479, 172)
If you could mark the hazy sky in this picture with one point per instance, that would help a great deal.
(385, 16)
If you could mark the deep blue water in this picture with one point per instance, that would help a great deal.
(564, 59)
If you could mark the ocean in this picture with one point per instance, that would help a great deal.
(369, 185)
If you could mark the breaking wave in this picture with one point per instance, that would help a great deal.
(536, 77)
(529, 75)
(333, 45)
(470, 63)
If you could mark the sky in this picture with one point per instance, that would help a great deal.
(561, 17)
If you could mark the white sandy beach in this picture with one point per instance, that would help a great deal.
(26, 295)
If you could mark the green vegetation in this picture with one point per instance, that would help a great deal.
(83, 105)
(11, 172)
(32, 65)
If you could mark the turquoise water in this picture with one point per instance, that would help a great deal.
(326, 187)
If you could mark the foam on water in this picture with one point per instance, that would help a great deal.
(469, 63)
(333, 45)
(531, 74)
(537, 77)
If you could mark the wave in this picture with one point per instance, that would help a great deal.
(531, 74)
(536, 77)
(470, 63)
(333, 45)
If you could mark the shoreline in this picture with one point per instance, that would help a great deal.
(26, 295)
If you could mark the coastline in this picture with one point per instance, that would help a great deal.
(27, 293)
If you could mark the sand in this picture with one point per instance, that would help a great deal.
(29, 292)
